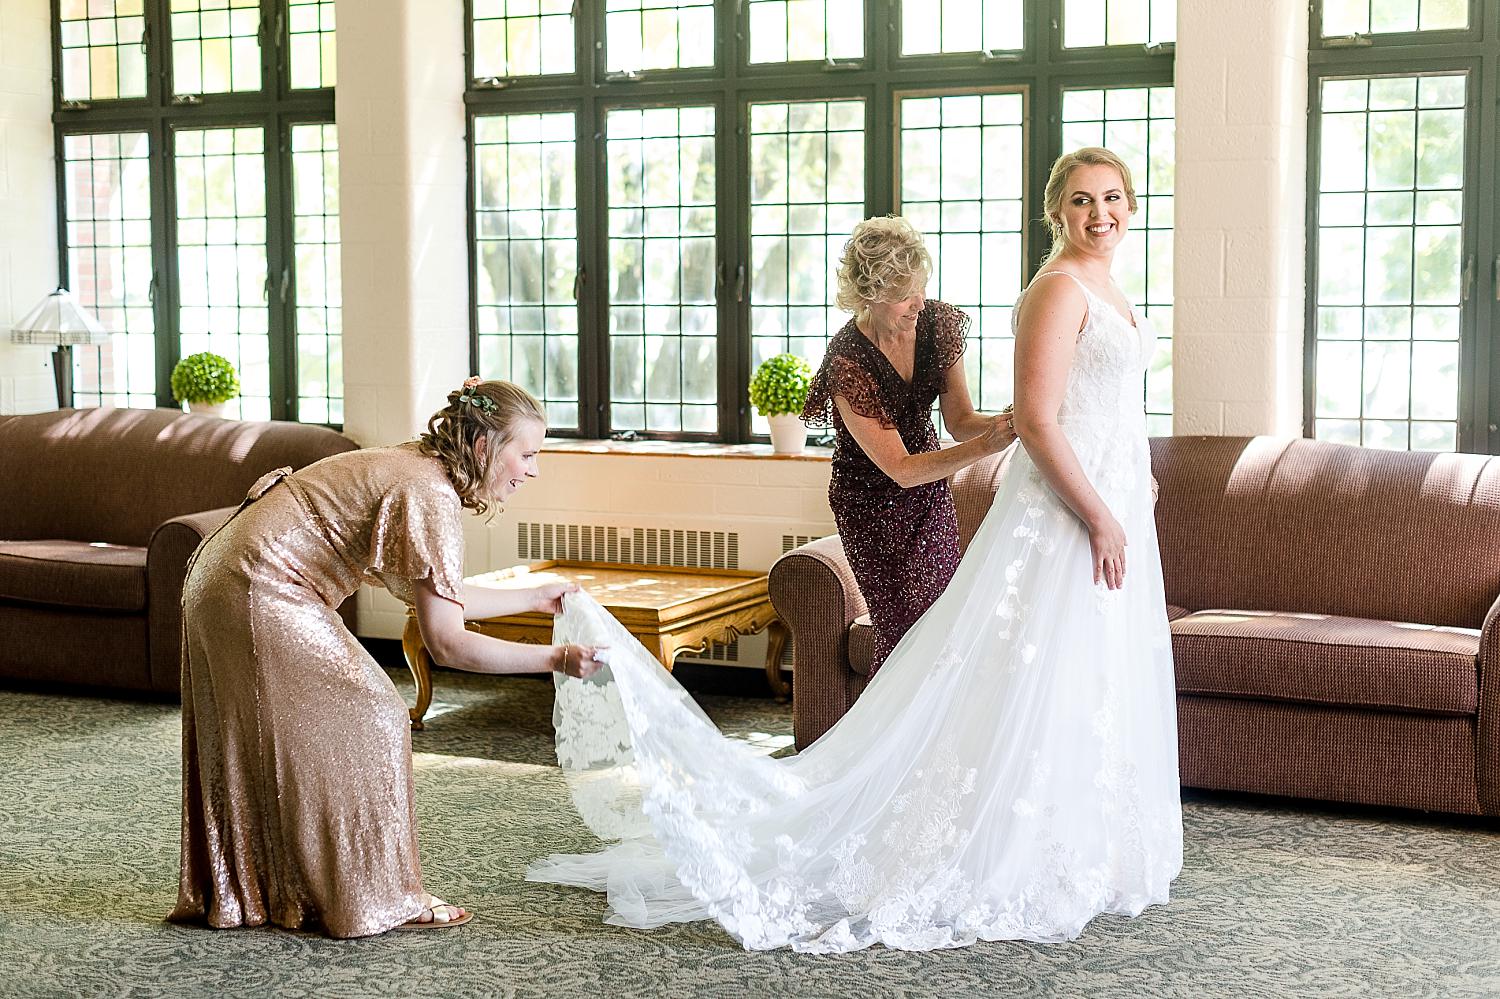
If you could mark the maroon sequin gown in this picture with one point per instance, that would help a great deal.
(902, 543)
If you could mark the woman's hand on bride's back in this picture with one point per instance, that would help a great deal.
(1107, 542)
(1001, 433)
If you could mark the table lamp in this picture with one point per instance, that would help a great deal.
(59, 320)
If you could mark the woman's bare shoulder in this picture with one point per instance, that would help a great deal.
(1053, 297)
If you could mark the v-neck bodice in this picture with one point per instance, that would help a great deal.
(1104, 401)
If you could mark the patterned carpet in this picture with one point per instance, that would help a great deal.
(1277, 899)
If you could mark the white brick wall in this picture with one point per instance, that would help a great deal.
(1241, 156)
(28, 201)
(399, 107)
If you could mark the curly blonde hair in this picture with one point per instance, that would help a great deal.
(884, 260)
(493, 410)
(1057, 180)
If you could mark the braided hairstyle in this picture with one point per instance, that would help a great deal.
(489, 409)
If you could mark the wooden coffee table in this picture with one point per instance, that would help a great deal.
(670, 610)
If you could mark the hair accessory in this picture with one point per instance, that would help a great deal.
(468, 397)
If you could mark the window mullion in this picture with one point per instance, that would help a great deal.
(593, 258)
(280, 227)
(733, 259)
(164, 239)
(163, 244)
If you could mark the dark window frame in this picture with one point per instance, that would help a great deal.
(1043, 69)
(275, 109)
(1474, 51)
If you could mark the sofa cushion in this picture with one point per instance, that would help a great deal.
(1174, 612)
(861, 645)
(74, 574)
(1321, 659)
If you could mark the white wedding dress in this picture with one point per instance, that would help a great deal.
(1010, 773)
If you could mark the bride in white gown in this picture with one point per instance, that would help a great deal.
(1011, 771)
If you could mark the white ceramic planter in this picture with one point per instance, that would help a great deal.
(788, 433)
(208, 408)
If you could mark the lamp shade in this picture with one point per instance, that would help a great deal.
(59, 319)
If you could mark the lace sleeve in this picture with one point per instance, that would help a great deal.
(846, 377)
(949, 337)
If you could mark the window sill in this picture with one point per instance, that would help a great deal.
(681, 449)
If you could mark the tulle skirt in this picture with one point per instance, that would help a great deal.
(1010, 773)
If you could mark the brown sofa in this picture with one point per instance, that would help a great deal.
(99, 511)
(1335, 615)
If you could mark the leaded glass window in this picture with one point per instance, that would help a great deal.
(933, 26)
(663, 326)
(634, 282)
(107, 210)
(522, 37)
(215, 46)
(1363, 17)
(311, 37)
(807, 192)
(792, 30)
(1389, 242)
(221, 256)
(103, 49)
(1118, 22)
(962, 184)
(658, 34)
(317, 289)
(526, 227)
(211, 222)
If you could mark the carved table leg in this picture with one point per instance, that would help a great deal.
(666, 651)
(776, 636)
(419, 661)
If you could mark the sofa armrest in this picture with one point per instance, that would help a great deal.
(813, 589)
(814, 592)
(1488, 748)
(172, 544)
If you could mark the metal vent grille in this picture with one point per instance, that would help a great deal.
(790, 541)
(679, 547)
(719, 652)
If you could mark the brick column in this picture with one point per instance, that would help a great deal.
(28, 198)
(399, 105)
(1241, 175)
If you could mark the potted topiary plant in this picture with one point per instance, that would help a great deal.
(205, 382)
(778, 392)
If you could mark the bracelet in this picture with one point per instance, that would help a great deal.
(565, 659)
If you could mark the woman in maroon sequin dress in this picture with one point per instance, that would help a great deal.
(876, 386)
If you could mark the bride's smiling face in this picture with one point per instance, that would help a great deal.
(1095, 210)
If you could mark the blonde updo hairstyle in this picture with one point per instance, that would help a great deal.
(1057, 182)
(884, 260)
(480, 409)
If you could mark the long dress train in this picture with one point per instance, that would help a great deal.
(1010, 773)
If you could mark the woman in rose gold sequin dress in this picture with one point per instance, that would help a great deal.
(876, 386)
(297, 803)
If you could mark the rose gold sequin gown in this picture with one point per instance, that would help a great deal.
(296, 748)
